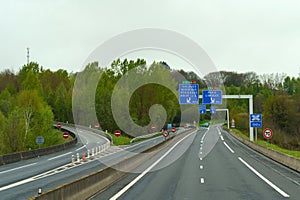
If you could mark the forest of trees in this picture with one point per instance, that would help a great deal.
(32, 99)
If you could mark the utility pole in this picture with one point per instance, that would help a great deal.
(27, 55)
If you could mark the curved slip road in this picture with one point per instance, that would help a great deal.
(16, 172)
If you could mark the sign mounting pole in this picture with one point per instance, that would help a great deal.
(250, 98)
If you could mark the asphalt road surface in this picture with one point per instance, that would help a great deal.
(214, 165)
(21, 180)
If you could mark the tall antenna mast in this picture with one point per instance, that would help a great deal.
(27, 55)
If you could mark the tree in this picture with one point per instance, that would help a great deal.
(60, 103)
(30, 103)
(13, 132)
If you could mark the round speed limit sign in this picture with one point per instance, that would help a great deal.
(268, 133)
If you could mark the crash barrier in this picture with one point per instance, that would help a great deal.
(178, 131)
(289, 161)
(15, 157)
(100, 132)
(86, 186)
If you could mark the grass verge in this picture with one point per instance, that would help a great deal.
(121, 140)
(269, 146)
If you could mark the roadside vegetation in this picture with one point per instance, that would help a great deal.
(33, 98)
(268, 144)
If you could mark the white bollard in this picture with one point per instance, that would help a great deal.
(73, 160)
(78, 159)
(93, 153)
(88, 154)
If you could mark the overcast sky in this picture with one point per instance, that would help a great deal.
(249, 35)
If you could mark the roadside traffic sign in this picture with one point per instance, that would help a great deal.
(173, 129)
(39, 140)
(256, 124)
(268, 133)
(117, 133)
(153, 127)
(256, 120)
(165, 133)
(202, 109)
(58, 125)
(213, 110)
(97, 125)
(169, 127)
(188, 94)
(212, 96)
(65, 135)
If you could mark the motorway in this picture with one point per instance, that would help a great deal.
(21, 180)
(214, 165)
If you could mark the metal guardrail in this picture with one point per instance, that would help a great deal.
(15, 157)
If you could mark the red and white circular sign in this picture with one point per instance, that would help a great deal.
(268, 133)
(165, 133)
(65, 135)
(117, 133)
(153, 127)
(58, 125)
(97, 125)
(173, 129)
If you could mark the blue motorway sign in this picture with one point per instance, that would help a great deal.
(213, 110)
(255, 117)
(169, 127)
(39, 140)
(256, 124)
(212, 96)
(202, 109)
(188, 94)
(256, 120)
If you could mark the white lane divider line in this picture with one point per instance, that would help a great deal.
(129, 185)
(202, 180)
(221, 136)
(264, 179)
(2, 172)
(60, 156)
(228, 147)
(202, 139)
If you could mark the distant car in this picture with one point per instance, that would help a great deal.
(206, 124)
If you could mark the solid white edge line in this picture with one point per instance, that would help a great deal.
(9, 170)
(264, 179)
(221, 137)
(60, 156)
(122, 191)
(80, 148)
(16, 184)
(228, 147)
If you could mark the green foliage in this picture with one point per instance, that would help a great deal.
(33, 98)
(26, 103)
(120, 140)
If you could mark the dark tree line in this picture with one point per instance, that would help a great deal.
(33, 98)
